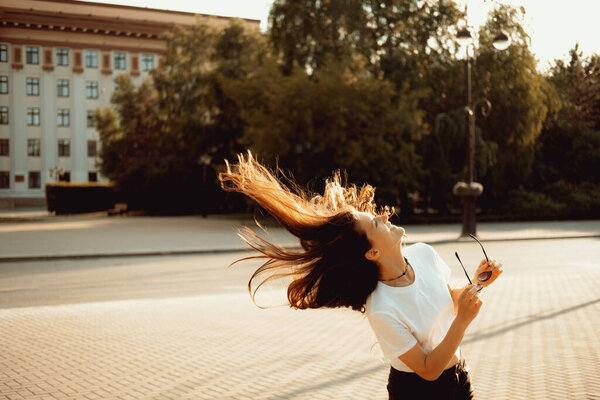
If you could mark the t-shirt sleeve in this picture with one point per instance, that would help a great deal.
(393, 335)
(441, 266)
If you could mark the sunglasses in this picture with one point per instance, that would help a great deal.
(482, 277)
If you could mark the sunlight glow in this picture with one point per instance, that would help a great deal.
(555, 26)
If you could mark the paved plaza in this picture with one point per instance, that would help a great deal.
(183, 326)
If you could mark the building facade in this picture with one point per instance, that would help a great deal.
(58, 61)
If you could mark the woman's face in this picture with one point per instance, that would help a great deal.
(382, 235)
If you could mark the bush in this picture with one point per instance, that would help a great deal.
(582, 200)
(532, 205)
(559, 200)
(73, 198)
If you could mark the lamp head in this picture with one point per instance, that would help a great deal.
(464, 37)
(501, 41)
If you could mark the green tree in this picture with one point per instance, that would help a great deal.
(412, 45)
(131, 145)
(374, 88)
(509, 79)
(385, 34)
(578, 83)
(567, 164)
(313, 125)
(163, 139)
(520, 98)
(504, 134)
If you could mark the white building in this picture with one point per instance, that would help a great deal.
(58, 60)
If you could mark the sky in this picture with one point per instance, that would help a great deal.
(554, 25)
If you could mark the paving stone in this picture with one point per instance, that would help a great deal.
(535, 338)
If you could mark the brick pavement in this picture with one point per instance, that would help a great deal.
(535, 338)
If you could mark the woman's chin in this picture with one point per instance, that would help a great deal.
(399, 230)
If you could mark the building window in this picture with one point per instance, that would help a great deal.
(3, 84)
(32, 55)
(92, 177)
(62, 57)
(33, 147)
(3, 53)
(91, 89)
(119, 59)
(35, 180)
(4, 180)
(147, 62)
(65, 177)
(91, 120)
(62, 88)
(4, 147)
(3, 115)
(91, 59)
(62, 117)
(32, 86)
(64, 148)
(91, 148)
(33, 116)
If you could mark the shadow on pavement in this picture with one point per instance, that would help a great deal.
(475, 337)
(333, 382)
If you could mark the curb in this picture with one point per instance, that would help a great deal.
(123, 255)
(244, 249)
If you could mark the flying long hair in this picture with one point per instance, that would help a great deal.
(331, 269)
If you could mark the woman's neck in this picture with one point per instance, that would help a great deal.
(392, 266)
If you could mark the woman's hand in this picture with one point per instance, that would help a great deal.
(468, 305)
(494, 266)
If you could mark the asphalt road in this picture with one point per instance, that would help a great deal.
(184, 327)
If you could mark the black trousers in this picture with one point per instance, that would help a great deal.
(453, 384)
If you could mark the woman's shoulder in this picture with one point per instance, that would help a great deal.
(430, 257)
(419, 248)
(422, 252)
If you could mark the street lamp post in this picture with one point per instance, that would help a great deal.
(470, 190)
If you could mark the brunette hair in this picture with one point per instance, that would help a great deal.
(331, 269)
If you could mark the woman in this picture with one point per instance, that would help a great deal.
(353, 257)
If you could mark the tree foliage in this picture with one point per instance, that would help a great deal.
(381, 33)
(162, 138)
(521, 99)
(569, 145)
(374, 88)
(336, 121)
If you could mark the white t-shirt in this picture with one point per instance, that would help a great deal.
(421, 312)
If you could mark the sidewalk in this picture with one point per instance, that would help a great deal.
(36, 235)
(184, 328)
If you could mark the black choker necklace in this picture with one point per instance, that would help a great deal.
(401, 275)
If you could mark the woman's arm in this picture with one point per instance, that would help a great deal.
(430, 365)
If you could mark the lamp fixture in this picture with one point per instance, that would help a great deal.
(501, 41)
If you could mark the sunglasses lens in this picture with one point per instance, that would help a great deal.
(484, 276)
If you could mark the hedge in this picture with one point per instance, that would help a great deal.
(74, 198)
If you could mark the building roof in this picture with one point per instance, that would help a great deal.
(47, 22)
